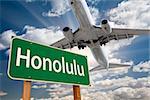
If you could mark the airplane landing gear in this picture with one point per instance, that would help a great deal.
(81, 47)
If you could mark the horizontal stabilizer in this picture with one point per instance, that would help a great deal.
(111, 65)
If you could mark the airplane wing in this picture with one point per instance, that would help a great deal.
(63, 43)
(118, 34)
(111, 65)
(130, 31)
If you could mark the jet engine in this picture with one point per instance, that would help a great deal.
(68, 33)
(106, 27)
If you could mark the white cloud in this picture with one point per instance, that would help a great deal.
(43, 35)
(95, 14)
(120, 94)
(112, 48)
(114, 45)
(59, 7)
(55, 86)
(142, 67)
(2, 93)
(131, 94)
(131, 13)
(5, 39)
(39, 86)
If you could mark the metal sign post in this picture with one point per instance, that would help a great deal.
(76, 92)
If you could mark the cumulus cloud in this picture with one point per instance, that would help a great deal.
(46, 36)
(131, 13)
(129, 93)
(142, 67)
(120, 94)
(5, 39)
(59, 7)
(95, 14)
(43, 35)
(113, 46)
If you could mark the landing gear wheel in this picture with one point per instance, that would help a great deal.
(81, 47)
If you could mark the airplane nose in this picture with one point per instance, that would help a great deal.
(104, 21)
(66, 29)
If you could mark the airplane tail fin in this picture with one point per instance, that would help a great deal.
(111, 65)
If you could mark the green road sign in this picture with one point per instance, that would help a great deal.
(35, 62)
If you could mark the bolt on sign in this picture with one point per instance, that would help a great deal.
(36, 62)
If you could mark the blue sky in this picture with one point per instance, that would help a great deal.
(21, 13)
(27, 18)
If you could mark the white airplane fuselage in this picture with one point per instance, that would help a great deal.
(84, 18)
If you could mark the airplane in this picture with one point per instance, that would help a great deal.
(93, 36)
